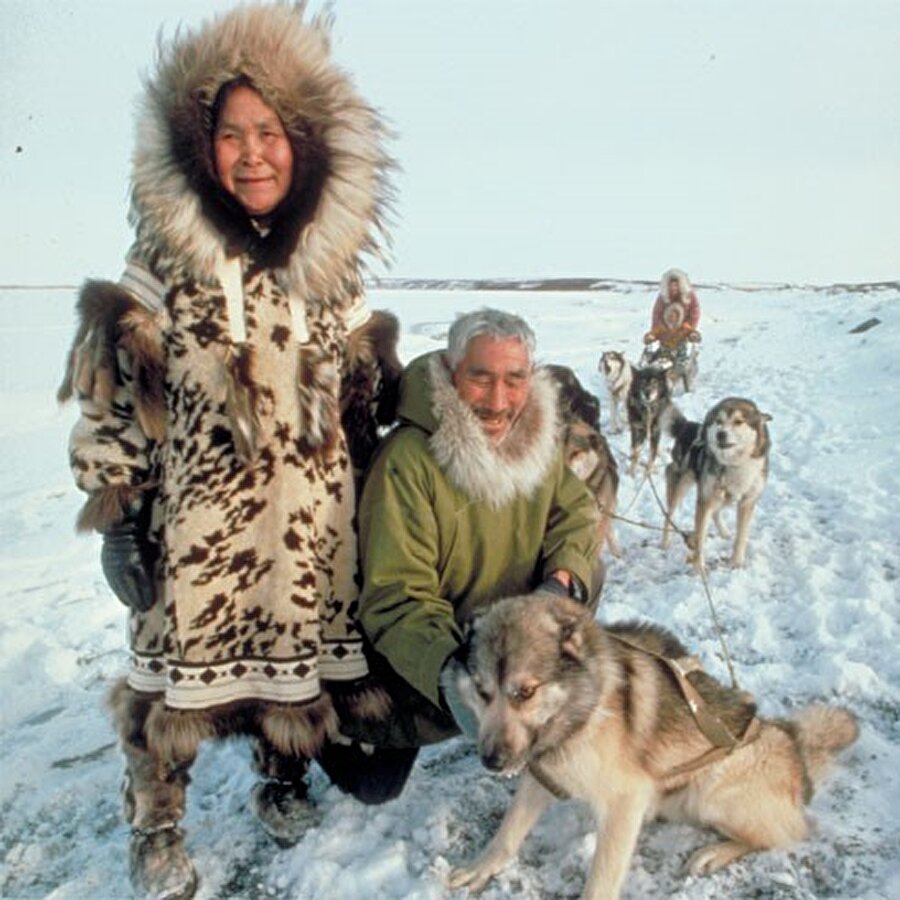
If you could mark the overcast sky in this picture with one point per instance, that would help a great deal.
(739, 140)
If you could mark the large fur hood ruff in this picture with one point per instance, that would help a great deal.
(494, 474)
(684, 283)
(287, 60)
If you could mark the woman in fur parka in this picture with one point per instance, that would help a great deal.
(214, 378)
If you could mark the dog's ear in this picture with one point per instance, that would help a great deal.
(571, 644)
(571, 636)
(762, 436)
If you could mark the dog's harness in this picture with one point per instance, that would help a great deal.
(710, 725)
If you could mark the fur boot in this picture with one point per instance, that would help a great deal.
(280, 800)
(153, 796)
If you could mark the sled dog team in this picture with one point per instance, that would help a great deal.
(726, 456)
(340, 560)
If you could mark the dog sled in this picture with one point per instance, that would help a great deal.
(679, 363)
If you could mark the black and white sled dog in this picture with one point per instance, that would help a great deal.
(617, 373)
(727, 457)
(649, 399)
(575, 401)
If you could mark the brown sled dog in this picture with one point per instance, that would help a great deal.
(586, 451)
(597, 714)
(588, 455)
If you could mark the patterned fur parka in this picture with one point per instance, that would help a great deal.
(214, 378)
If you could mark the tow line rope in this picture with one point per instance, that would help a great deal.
(703, 576)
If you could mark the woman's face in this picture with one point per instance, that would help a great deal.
(254, 160)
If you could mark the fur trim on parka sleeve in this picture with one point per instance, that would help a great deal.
(370, 384)
(115, 370)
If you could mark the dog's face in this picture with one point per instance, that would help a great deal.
(611, 364)
(735, 430)
(527, 677)
(652, 387)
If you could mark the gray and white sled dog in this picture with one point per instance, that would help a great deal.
(617, 373)
(727, 458)
(602, 714)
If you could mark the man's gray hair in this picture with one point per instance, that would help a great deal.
(491, 322)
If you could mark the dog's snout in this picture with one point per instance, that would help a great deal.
(493, 759)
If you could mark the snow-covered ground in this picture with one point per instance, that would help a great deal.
(814, 615)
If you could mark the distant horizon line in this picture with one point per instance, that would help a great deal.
(553, 283)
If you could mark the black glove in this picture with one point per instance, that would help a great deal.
(128, 562)
(464, 716)
(552, 585)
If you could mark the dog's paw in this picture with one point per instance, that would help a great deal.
(736, 562)
(474, 876)
(713, 857)
(697, 564)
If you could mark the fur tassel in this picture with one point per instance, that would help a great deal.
(141, 339)
(108, 507)
(318, 389)
(174, 735)
(110, 319)
(370, 387)
(375, 343)
(300, 729)
(91, 367)
(361, 700)
(242, 402)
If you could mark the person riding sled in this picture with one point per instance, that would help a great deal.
(675, 317)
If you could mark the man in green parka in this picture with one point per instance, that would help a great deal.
(468, 500)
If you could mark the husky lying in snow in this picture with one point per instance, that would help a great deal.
(598, 714)
(727, 458)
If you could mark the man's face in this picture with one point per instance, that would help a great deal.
(494, 380)
(674, 289)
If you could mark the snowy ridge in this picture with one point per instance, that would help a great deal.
(621, 285)
(814, 615)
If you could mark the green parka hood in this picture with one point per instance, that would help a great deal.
(483, 471)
